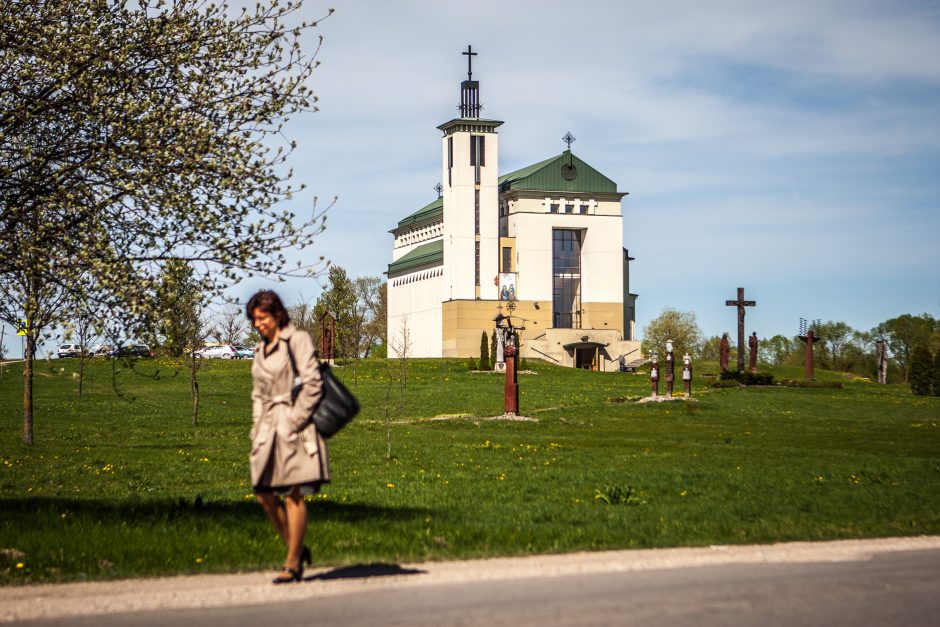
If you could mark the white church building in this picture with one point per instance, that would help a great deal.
(547, 238)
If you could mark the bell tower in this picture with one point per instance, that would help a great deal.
(470, 160)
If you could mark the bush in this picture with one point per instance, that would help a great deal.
(921, 370)
(725, 383)
(484, 352)
(803, 383)
(747, 377)
(471, 364)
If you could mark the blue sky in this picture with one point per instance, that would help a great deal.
(789, 148)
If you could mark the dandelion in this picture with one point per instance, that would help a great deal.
(204, 459)
(389, 485)
(20, 564)
(199, 560)
(683, 493)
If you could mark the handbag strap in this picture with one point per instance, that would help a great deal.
(293, 362)
(290, 355)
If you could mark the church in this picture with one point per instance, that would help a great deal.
(542, 245)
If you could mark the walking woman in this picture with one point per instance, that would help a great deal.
(288, 457)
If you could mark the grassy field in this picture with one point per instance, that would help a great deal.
(119, 483)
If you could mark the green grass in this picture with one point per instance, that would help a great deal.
(120, 484)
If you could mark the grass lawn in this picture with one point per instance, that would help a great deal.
(120, 484)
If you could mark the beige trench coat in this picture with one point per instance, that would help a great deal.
(281, 428)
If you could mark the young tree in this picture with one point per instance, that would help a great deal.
(921, 374)
(131, 136)
(396, 383)
(680, 327)
(183, 328)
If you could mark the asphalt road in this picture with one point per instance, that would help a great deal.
(851, 583)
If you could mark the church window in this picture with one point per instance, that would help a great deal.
(450, 159)
(477, 252)
(476, 211)
(569, 208)
(566, 279)
(477, 155)
(507, 259)
(583, 209)
(553, 208)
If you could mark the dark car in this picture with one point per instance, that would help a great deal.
(132, 350)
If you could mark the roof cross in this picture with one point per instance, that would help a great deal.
(469, 54)
(568, 139)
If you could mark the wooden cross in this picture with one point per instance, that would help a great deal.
(740, 303)
(469, 54)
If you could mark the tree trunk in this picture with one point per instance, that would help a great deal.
(195, 388)
(28, 388)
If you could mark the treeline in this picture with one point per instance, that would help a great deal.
(183, 321)
(840, 347)
(837, 347)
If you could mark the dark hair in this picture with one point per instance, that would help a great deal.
(270, 303)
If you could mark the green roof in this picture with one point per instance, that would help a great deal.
(430, 254)
(547, 176)
(429, 212)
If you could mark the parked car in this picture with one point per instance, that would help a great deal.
(243, 352)
(102, 350)
(70, 350)
(225, 351)
(131, 350)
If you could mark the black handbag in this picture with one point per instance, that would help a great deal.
(337, 406)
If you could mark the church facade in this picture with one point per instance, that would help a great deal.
(543, 244)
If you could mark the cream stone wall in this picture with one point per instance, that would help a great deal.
(459, 218)
(414, 308)
(601, 254)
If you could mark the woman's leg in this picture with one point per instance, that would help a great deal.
(297, 527)
(276, 513)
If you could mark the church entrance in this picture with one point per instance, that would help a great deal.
(586, 358)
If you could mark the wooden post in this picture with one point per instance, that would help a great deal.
(511, 393)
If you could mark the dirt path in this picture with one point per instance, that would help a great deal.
(51, 601)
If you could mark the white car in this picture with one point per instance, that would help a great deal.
(225, 351)
(70, 350)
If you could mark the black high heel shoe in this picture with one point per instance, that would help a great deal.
(290, 575)
(305, 557)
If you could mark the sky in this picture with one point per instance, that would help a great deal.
(790, 148)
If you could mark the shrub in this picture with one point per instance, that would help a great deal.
(802, 383)
(921, 370)
(471, 364)
(484, 352)
(747, 377)
(725, 383)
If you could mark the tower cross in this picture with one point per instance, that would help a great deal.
(469, 54)
(740, 303)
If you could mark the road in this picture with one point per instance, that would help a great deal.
(856, 582)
